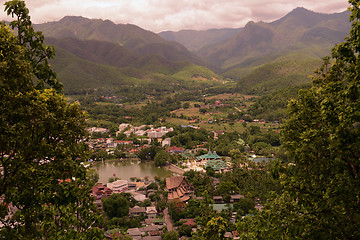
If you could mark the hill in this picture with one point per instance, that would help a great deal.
(195, 40)
(300, 29)
(267, 56)
(128, 36)
(260, 58)
(88, 65)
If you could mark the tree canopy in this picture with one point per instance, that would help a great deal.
(116, 206)
(321, 196)
(42, 183)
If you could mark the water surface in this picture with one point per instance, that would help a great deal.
(129, 168)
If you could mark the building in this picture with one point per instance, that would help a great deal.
(175, 149)
(217, 133)
(166, 142)
(236, 198)
(123, 126)
(137, 211)
(216, 164)
(151, 212)
(178, 188)
(98, 130)
(158, 132)
(100, 191)
(118, 186)
(203, 159)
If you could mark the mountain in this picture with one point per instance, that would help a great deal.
(90, 64)
(128, 36)
(111, 54)
(259, 58)
(99, 54)
(195, 40)
(299, 30)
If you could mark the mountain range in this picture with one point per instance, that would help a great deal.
(260, 57)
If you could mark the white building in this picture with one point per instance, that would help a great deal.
(98, 130)
(118, 186)
(159, 132)
(166, 142)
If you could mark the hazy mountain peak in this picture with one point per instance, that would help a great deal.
(75, 19)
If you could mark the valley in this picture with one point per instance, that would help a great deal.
(232, 133)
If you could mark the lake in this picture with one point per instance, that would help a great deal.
(127, 169)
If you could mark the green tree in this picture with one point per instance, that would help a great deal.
(148, 153)
(42, 178)
(244, 205)
(162, 158)
(171, 235)
(185, 230)
(177, 210)
(215, 228)
(322, 136)
(92, 176)
(227, 188)
(101, 154)
(116, 206)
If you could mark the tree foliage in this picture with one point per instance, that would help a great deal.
(171, 235)
(321, 197)
(116, 206)
(162, 158)
(41, 181)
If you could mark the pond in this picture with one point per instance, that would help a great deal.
(127, 169)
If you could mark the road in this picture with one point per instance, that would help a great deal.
(167, 220)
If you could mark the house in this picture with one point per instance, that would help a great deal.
(99, 191)
(151, 228)
(151, 238)
(120, 142)
(158, 221)
(159, 132)
(236, 198)
(118, 186)
(98, 130)
(123, 126)
(218, 199)
(189, 221)
(135, 233)
(175, 149)
(137, 211)
(138, 196)
(151, 212)
(113, 234)
(166, 142)
(178, 188)
(217, 133)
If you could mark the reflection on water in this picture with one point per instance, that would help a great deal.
(128, 169)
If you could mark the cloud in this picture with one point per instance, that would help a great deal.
(159, 15)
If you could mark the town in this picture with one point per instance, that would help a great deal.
(155, 206)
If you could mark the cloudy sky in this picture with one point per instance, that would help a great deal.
(160, 15)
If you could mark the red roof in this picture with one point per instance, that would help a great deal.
(174, 148)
